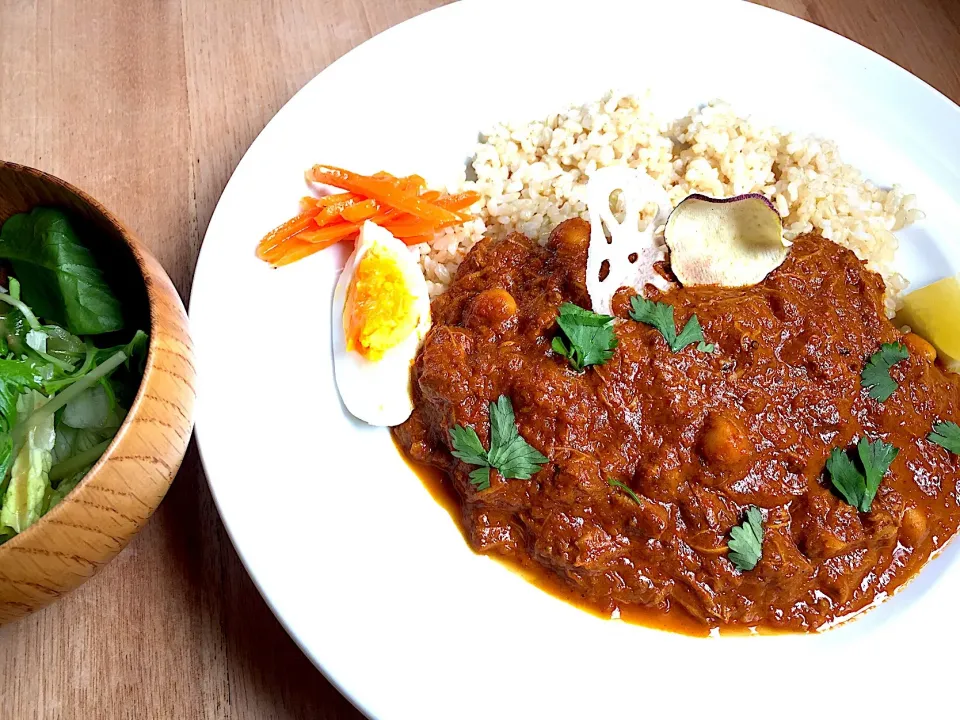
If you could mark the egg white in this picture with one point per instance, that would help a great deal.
(379, 392)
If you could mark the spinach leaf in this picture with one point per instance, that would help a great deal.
(60, 278)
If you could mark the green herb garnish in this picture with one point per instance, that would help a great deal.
(626, 488)
(587, 339)
(660, 316)
(947, 435)
(746, 540)
(876, 373)
(859, 488)
(512, 456)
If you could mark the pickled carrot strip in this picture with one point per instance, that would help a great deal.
(382, 190)
(460, 201)
(361, 211)
(290, 228)
(330, 234)
(298, 250)
(331, 212)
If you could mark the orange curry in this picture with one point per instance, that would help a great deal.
(697, 437)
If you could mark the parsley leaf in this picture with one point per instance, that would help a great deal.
(660, 316)
(467, 445)
(480, 478)
(947, 435)
(876, 458)
(746, 540)
(657, 314)
(845, 477)
(706, 347)
(626, 488)
(876, 373)
(690, 334)
(588, 338)
(859, 489)
(509, 453)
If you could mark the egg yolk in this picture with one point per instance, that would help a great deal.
(379, 312)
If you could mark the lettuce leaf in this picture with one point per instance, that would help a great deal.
(26, 496)
(93, 409)
(6, 458)
(71, 441)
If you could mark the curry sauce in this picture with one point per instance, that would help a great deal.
(698, 437)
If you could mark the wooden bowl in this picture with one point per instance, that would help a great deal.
(95, 521)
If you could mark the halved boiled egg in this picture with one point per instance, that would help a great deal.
(381, 313)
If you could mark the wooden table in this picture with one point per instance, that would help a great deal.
(149, 106)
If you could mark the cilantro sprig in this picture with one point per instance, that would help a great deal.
(946, 435)
(660, 316)
(876, 373)
(512, 456)
(860, 488)
(586, 338)
(746, 540)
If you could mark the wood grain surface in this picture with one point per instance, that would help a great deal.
(149, 106)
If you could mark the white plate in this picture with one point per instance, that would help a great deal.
(368, 574)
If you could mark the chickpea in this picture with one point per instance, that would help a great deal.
(725, 442)
(490, 309)
(920, 347)
(571, 237)
(913, 526)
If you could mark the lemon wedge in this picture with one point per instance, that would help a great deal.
(933, 312)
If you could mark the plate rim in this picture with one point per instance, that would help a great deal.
(354, 695)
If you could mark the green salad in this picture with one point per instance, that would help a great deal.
(65, 383)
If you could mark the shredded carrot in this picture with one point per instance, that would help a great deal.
(298, 250)
(383, 190)
(460, 201)
(409, 228)
(331, 211)
(361, 211)
(288, 229)
(326, 200)
(330, 234)
(270, 255)
(320, 239)
(414, 184)
(403, 205)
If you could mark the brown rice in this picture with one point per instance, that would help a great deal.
(533, 175)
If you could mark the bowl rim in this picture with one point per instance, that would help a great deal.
(134, 245)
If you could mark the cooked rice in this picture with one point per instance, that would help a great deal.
(533, 175)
